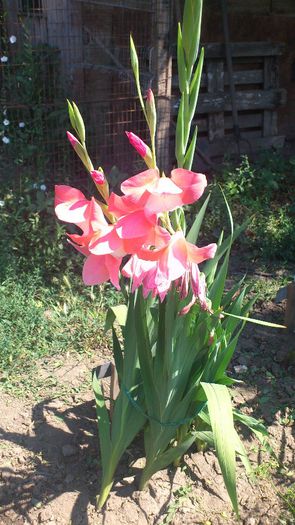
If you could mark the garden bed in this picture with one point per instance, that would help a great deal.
(49, 449)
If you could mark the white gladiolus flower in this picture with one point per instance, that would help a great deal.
(6, 122)
(12, 39)
(6, 140)
(4, 59)
(21, 124)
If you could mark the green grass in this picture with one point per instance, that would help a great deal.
(39, 320)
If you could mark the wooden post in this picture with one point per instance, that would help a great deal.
(270, 81)
(162, 67)
(290, 309)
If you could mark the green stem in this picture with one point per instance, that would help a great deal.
(104, 493)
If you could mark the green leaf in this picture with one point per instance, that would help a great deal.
(80, 127)
(182, 73)
(217, 289)
(221, 419)
(103, 422)
(71, 115)
(135, 69)
(116, 313)
(195, 86)
(189, 156)
(118, 355)
(224, 246)
(193, 234)
(179, 136)
(191, 28)
(255, 321)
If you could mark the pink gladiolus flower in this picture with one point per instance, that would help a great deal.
(97, 176)
(177, 259)
(156, 194)
(72, 206)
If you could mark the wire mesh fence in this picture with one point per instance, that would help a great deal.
(57, 49)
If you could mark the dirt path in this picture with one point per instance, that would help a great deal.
(49, 458)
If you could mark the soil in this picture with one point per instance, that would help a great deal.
(50, 468)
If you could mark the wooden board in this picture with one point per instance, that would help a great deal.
(245, 100)
(142, 5)
(243, 77)
(283, 7)
(245, 49)
(246, 121)
(247, 145)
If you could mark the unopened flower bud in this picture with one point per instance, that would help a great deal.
(97, 176)
(141, 148)
(73, 141)
(151, 112)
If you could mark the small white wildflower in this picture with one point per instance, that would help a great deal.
(21, 124)
(240, 369)
(4, 59)
(6, 140)
(35, 186)
(2, 203)
(6, 122)
(12, 39)
(43, 187)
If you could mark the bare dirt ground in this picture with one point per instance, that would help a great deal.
(50, 468)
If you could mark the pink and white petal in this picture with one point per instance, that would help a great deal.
(165, 185)
(157, 203)
(198, 255)
(96, 216)
(135, 225)
(140, 182)
(95, 270)
(106, 243)
(64, 193)
(82, 249)
(70, 204)
(192, 184)
(113, 266)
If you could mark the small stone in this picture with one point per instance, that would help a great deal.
(36, 503)
(250, 521)
(69, 450)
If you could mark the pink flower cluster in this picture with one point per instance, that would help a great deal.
(141, 229)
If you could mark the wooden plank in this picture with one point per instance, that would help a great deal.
(271, 80)
(215, 80)
(142, 5)
(248, 145)
(240, 6)
(246, 100)
(245, 49)
(283, 7)
(246, 121)
(242, 77)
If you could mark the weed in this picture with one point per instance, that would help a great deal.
(179, 497)
(289, 499)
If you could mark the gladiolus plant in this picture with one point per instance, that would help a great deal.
(174, 337)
